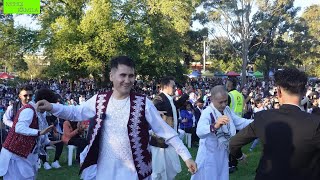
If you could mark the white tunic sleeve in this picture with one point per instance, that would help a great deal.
(81, 112)
(162, 129)
(24, 121)
(239, 122)
(7, 116)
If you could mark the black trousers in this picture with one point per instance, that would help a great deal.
(80, 143)
(194, 138)
(192, 131)
(59, 147)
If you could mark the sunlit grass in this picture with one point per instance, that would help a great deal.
(245, 172)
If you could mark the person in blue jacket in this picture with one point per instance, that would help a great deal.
(187, 117)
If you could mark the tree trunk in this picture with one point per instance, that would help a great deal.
(266, 75)
(244, 62)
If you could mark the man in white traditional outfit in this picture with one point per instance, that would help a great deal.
(20, 151)
(12, 110)
(119, 133)
(216, 126)
(166, 162)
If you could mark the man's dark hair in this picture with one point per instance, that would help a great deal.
(125, 60)
(292, 80)
(233, 81)
(166, 81)
(257, 101)
(45, 94)
(26, 88)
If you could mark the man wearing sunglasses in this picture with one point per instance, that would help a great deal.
(25, 96)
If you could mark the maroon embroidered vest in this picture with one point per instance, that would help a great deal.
(137, 132)
(20, 144)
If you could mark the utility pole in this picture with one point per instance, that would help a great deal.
(204, 53)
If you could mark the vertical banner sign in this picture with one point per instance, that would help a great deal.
(21, 7)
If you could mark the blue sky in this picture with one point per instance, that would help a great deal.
(26, 21)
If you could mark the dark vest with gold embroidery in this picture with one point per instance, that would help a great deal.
(137, 132)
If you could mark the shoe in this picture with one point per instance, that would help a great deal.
(232, 169)
(55, 164)
(46, 166)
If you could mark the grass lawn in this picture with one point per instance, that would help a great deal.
(245, 172)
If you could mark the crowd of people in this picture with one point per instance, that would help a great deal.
(134, 122)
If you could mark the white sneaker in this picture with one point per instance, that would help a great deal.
(46, 166)
(55, 164)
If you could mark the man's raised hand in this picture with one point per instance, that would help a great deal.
(222, 120)
(43, 105)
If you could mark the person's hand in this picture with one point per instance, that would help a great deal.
(43, 105)
(184, 120)
(192, 166)
(222, 120)
(55, 135)
(80, 127)
(46, 130)
(162, 113)
(251, 94)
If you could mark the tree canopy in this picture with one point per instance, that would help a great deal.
(78, 38)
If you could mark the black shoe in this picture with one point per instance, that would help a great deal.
(232, 169)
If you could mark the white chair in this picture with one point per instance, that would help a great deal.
(49, 148)
(70, 154)
(188, 139)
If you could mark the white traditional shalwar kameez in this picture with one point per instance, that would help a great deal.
(166, 162)
(115, 157)
(14, 167)
(212, 157)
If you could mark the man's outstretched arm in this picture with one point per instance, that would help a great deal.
(242, 138)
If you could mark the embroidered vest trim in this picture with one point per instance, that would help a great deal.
(19, 144)
(137, 133)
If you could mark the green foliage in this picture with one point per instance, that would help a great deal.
(286, 38)
(272, 38)
(80, 37)
(233, 18)
(15, 42)
(193, 48)
(61, 38)
(226, 66)
(311, 58)
(85, 39)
